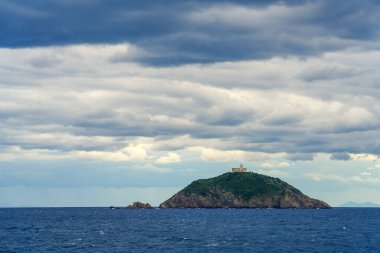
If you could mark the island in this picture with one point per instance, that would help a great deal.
(138, 204)
(241, 189)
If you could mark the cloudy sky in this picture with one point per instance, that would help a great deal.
(109, 102)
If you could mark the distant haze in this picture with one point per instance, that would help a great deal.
(354, 204)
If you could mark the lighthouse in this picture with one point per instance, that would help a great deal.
(240, 169)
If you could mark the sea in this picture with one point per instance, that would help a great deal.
(189, 230)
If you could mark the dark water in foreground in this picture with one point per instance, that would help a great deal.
(186, 230)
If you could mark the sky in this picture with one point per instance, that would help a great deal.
(109, 102)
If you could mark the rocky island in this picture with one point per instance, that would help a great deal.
(241, 189)
(138, 204)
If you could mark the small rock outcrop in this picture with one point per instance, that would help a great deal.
(138, 204)
(241, 190)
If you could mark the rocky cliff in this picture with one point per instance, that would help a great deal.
(241, 190)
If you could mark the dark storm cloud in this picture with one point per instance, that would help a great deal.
(179, 32)
(340, 156)
(93, 97)
(300, 157)
(328, 73)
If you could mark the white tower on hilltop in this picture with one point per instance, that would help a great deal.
(240, 169)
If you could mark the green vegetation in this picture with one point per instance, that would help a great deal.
(246, 185)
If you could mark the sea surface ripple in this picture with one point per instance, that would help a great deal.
(189, 230)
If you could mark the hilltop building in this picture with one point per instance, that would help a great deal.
(240, 169)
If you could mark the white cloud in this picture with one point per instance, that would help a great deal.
(364, 177)
(275, 164)
(330, 177)
(171, 157)
(274, 173)
(135, 152)
(187, 106)
(243, 17)
(266, 165)
(132, 152)
(129, 153)
(283, 164)
(365, 157)
(101, 155)
(16, 152)
(210, 154)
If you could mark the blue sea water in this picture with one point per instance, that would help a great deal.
(189, 230)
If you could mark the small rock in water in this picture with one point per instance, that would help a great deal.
(139, 205)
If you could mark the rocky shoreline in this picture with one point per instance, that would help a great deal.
(237, 190)
(134, 205)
